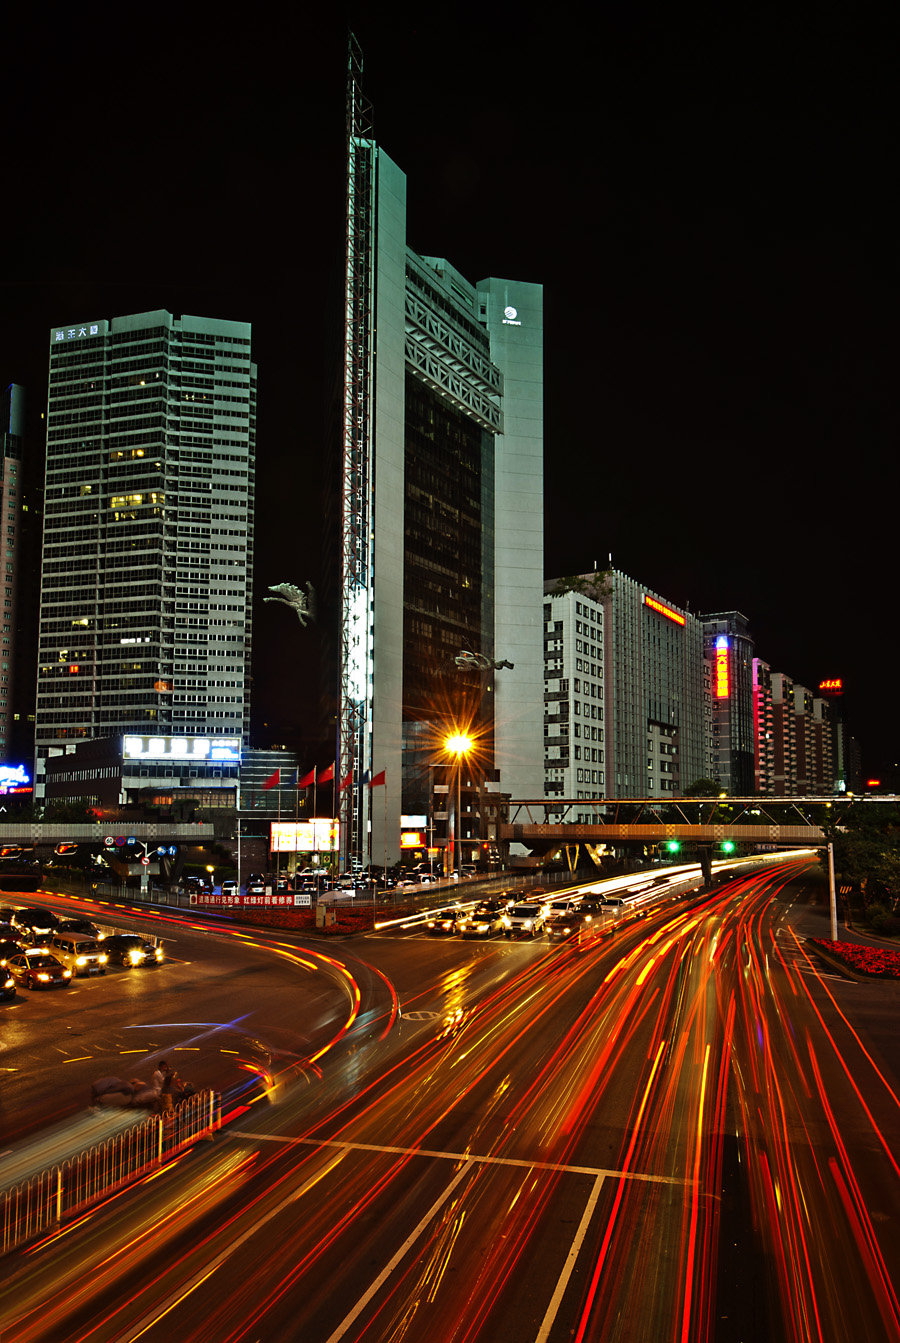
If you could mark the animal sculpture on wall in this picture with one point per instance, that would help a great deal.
(304, 603)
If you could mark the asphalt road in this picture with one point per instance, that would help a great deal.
(672, 1132)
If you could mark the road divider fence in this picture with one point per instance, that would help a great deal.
(38, 1205)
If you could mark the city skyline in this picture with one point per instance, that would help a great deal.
(710, 224)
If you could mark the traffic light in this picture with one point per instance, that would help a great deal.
(673, 846)
(728, 846)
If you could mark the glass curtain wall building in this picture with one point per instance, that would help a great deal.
(145, 621)
(441, 513)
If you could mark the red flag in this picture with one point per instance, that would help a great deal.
(327, 775)
(273, 780)
(346, 782)
(307, 778)
(378, 781)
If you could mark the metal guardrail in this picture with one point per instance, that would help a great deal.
(38, 1204)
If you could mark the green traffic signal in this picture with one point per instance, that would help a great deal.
(673, 846)
(728, 846)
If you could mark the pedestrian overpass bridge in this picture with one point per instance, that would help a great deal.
(784, 822)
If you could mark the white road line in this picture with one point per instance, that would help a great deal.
(389, 1267)
(574, 1250)
(457, 1156)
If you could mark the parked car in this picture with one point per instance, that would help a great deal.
(37, 969)
(229, 886)
(196, 885)
(129, 949)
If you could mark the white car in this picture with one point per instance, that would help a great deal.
(530, 919)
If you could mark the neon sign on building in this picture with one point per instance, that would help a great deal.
(663, 610)
(722, 667)
(834, 686)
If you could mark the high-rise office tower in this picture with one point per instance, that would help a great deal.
(145, 623)
(441, 563)
(728, 648)
(12, 465)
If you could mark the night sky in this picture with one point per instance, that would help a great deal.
(711, 208)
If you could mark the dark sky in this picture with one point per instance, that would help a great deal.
(711, 207)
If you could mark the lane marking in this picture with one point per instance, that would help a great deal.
(574, 1250)
(472, 1157)
(392, 1264)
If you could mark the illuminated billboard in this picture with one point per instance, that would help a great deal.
(204, 750)
(722, 667)
(662, 609)
(319, 835)
(412, 839)
(13, 776)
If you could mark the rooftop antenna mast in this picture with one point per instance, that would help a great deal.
(357, 455)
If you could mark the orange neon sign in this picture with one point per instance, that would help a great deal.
(833, 687)
(722, 667)
(663, 610)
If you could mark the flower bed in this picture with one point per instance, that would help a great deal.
(864, 960)
(304, 921)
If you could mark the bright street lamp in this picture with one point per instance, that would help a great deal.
(460, 745)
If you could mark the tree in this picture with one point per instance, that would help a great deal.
(703, 788)
(597, 585)
(866, 840)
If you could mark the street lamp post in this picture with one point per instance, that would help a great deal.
(460, 745)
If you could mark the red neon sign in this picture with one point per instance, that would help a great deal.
(833, 687)
(663, 610)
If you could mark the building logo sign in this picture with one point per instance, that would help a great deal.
(194, 750)
(835, 686)
(722, 667)
(77, 332)
(663, 609)
(511, 316)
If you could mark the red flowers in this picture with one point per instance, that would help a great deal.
(865, 960)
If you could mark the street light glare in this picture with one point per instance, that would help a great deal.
(458, 744)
